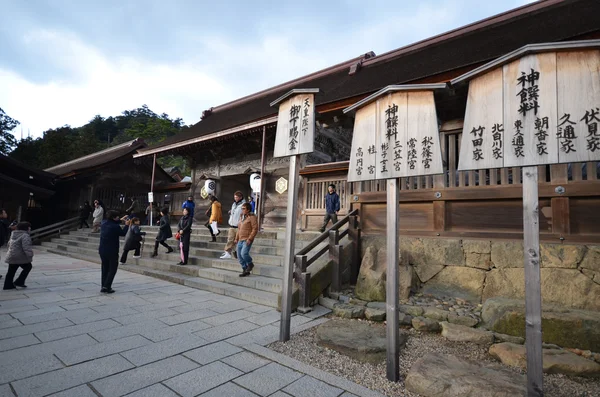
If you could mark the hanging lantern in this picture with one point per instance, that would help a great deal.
(210, 186)
(255, 182)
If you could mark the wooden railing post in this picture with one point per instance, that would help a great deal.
(299, 266)
(304, 301)
(354, 234)
(335, 255)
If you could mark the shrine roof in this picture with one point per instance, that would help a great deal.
(395, 88)
(428, 60)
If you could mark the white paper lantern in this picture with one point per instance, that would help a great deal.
(210, 186)
(255, 182)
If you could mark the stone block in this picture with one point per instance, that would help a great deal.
(561, 255)
(591, 260)
(230, 389)
(344, 310)
(477, 254)
(80, 391)
(19, 329)
(436, 314)
(404, 319)
(202, 379)
(308, 386)
(19, 369)
(414, 311)
(377, 305)
(328, 302)
(75, 356)
(216, 351)
(157, 390)
(462, 320)
(508, 338)
(268, 379)
(66, 332)
(226, 331)
(507, 254)
(31, 352)
(245, 361)
(18, 341)
(370, 285)
(425, 324)
(457, 281)
(158, 351)
(461, 333)
(375, 314)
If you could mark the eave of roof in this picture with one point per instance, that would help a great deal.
(395, 88)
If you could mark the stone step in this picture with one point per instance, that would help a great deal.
(260, 270)
(196, 231)
(262, 283)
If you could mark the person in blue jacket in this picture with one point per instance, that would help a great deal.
(332, 206)
(190, 205)
(110, 231)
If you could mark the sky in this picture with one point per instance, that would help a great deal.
(65, 61)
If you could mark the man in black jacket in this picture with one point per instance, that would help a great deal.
(84, 214)
(110, 231)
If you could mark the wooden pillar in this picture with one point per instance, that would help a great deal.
(533, 290)
(391, 287)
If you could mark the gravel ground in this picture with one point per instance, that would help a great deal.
(303, 347)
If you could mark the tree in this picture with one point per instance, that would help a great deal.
(7, 140)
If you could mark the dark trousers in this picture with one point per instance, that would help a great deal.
(185, 240)
(83, 221)
(10, 275)
(207, 225)
(110, 263)
(326, 219)
(162, 242)
(136, 252)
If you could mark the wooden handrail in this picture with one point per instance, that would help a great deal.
(53, 229)
(325, 235)
(55, 225)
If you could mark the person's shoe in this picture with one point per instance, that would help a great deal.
(180, 264)
(154, 254)
(214, 239)
(110, 291)
(103, 290)
(137, 256)
(245, 273)
(226, 255)
(219, 232)
(170, 250)
(20, 285)
(122, 263)
(13, 287)
(234, 254)
(250, 267)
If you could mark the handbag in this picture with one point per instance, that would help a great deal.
(177, 236)
(213, 226)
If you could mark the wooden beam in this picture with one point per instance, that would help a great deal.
(439, 215)
(561, 223)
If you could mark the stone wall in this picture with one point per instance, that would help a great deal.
(480, 269)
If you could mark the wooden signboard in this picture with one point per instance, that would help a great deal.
(535, 106)
(395, 135)
(295, 136)
(295, 123)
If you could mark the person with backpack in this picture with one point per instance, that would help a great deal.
(19, 255)
(190, 205)
(110, 231)
(133, 240)
(332, 207)
(164, 232)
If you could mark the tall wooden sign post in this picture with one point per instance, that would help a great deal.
(395, 135)
(535, 106)
(295, 136)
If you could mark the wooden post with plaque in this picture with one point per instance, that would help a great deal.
(395, 135)
(295, 136)
(535, 106)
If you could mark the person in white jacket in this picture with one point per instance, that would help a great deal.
(98, 215)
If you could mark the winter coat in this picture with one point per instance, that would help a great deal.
(164, 229)
(332, 203)
(110, 231)
(98, 214)
(235, 213)
(185, 224)
(133, 237)
(247, 228)
(215, 212)
(85, 211)
(190, 205)
(20, 250)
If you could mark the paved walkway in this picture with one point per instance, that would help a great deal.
(61, 337)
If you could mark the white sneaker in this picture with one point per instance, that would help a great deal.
(226, 255)
(121, 263)
(137, 256)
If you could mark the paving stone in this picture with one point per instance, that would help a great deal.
(10, 323)
(317, 311)
(229, 304)
(213, 352)
(11, 309)
(157, 390)
(61, 333)
(128, 330)
(18, 341)
(259, 309)
(38, 312)
(72, 357)
(52, 382)
(31, 352)
(261, 336)
(186, 317)
(202, 379)
(348, 394)
(123, 316)
(23, 368)
(32, 328)
(5, 390)
(158, 351)
(166, 332)
(245, 361)
(280, 394)
(310, 387)
(230, 390)
(265, 318)
(228, 317)
(141, 377)
(55, 316)
(79, 391)
(268, 379)
(226, 331)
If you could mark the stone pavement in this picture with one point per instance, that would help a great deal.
(61, 337)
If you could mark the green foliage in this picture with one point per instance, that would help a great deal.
(66, 143)
(7, 140)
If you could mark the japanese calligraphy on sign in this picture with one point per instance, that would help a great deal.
(295, 123)
(541, 108)
(395, 135)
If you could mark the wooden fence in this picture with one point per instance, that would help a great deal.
(486, 203)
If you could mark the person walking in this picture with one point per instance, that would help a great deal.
(19, 255)
(252, 204)
(110, 231)
(246, 232)
(234, 219)
(332, 207)
(84, 213)
(164, 232)
(185, 233)
(98, 215)
(190, 205)
(4, 228)
(134, 208)
(216, 217)
(133, 240)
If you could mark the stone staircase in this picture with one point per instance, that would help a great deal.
(205, 270)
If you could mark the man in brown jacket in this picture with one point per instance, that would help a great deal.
(246, 232)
